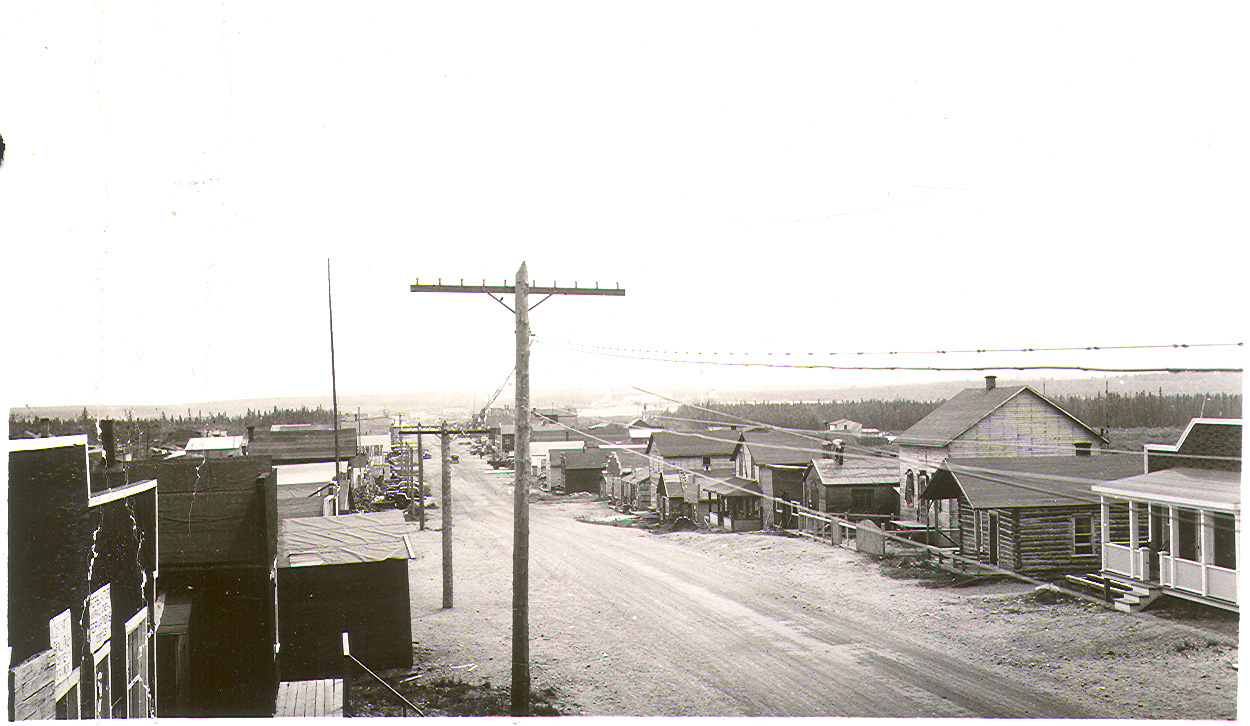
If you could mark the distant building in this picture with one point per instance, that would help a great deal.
(673, 454)
(216, 447)
(845, 425)
(776, 461)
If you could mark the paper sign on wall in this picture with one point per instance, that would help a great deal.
(100, 617)
(59, 632)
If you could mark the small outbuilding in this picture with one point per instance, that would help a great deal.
(344, 574)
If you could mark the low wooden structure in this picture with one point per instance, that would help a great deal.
(343, 574)
(851, 484)
(734, 503)
(309, 699)
(1030, 514)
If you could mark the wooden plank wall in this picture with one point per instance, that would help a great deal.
(32, 683)
(317, 604)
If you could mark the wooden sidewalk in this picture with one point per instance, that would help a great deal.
(309, 699)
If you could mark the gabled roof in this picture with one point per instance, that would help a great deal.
(1027, 481)
(302, 446)
(347, 538)
(715, 442)
(584, 459)
(968, 407)
(630, 459)
(1184, 487)
(782, 447)
(855, 470)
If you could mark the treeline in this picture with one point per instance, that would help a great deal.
(1112, 410)
(153, 431)
(887, 415)
(1149, 410)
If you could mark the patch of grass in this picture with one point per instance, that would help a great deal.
(442, 696)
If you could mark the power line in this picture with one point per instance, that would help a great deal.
(831, 367)
(1177, 346)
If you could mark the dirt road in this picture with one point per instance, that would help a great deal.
(625, 622)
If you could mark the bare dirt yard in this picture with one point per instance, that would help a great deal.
(627, 622)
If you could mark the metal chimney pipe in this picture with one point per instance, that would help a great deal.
(108, 442)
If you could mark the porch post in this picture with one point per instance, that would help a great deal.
(1173, 539)
(1206, 543)
(1104, 528)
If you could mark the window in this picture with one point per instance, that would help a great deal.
(67, 705)
(1225, 544)
(861, 499)
(1082, 535)
(103, 704)
(909, 491)
(137, 665)
(707, 463)
(1187, 547)
(1143, 523)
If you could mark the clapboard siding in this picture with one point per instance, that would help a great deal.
(1023, 426)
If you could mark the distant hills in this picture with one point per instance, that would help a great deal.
(459, 405)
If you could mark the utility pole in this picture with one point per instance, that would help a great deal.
(446, 476)
(521, 289)
(420, 481)
(445, 433)
(334, 393)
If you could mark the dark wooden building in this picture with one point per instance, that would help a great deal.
(218, 543)
(777, 461)
(1030, 514)
(852, 484)
(81, 583)
(344, 574)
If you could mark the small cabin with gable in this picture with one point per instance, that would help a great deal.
(980, 422)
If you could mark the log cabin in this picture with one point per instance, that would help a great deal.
(990, 421)
(1034, 515)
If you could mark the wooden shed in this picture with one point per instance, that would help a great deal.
(1030, 514)
(344, 574)
(852, 484)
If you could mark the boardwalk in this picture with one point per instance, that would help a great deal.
(310, 698)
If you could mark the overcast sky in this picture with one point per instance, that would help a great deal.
(760, 177)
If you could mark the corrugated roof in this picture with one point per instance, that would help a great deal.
(367, 537)
(945, 424)
(1182, 486)
(302, 446)
(856, 471)
(717, 442)
(1027, 481)
(782, 447)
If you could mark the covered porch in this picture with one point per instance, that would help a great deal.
(1183, 534)
(734, 504)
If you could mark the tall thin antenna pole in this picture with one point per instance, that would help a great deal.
(334, 393)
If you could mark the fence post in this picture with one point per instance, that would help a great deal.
(347, 674)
